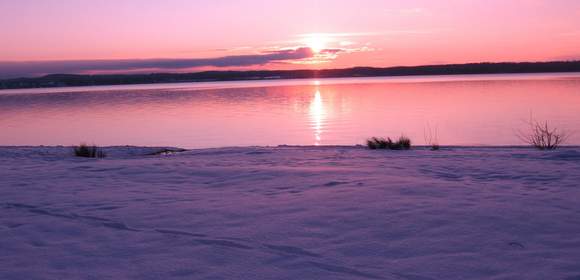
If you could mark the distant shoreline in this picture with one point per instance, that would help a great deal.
(73, 80)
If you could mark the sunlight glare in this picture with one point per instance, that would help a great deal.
(317, 43)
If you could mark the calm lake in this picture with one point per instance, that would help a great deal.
(459, 110)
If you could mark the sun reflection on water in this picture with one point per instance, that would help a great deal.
(317, 115)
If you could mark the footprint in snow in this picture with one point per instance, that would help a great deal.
(516, 245)
(334, 183)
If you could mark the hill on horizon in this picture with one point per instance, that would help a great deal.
(66, 80)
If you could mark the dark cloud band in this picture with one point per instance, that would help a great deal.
(37, 68)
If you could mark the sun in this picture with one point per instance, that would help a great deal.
(316, 43)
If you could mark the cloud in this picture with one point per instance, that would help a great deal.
(338, 34)
(9, 69)
(332, 51)
(327, 55)
(406, 11)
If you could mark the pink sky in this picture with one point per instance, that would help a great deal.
(269, 34)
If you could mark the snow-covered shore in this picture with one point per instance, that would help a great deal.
(290, 213)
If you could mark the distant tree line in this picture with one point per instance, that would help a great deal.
(63, 80)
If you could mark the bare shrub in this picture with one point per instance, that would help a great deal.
(543, 137)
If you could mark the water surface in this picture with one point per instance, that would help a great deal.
(461, 110)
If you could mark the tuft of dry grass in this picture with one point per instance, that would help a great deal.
(375, 143)
(84, 150)
(431, 138)
(164, 152)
